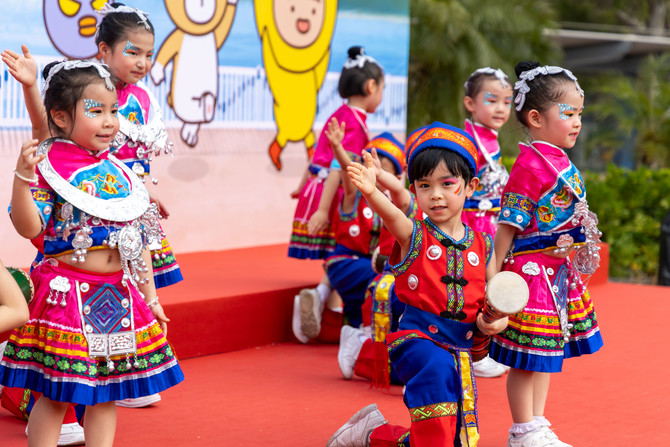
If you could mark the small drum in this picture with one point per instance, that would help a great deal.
(506, 294)
(24, 282)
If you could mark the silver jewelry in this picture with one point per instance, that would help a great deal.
(521, 86)
(497, 72)
(107, 9)
(26, 179)
(360, 60)
(70, 65)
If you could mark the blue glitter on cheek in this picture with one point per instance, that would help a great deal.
(129, 47)
(563, 108)
(90, 104)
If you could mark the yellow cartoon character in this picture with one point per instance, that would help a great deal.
(202, 27)
(295, 36)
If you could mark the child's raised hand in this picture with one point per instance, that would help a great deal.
(376, 162)
(25, 165)
(22, 67)
(335, 132)
(363, 175)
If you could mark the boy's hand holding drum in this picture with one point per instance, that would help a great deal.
(506, 294)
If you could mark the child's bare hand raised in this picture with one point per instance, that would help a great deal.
(22, 67)
(335, 132)
(363, 176)
(25, 165)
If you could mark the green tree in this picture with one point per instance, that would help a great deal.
(635, 111)
(449, 39)
(643, 17)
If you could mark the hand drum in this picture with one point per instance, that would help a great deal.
(506, 294)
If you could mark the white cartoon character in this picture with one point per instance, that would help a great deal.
(201, 28)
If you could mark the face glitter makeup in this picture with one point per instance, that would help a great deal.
(565, 111)
(489, 98)
(129, 47)
(90, 104)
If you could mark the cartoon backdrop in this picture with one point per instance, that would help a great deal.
(234, 78)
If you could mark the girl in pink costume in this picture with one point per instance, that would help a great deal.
(96, 332)
(488, 99)
(545, 217)
(361, 85)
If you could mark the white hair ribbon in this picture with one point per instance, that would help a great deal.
(108, 9)
(69, 65)
(359, 61)
(521, 86)
(497, 72)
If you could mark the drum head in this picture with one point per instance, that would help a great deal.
(507, 292)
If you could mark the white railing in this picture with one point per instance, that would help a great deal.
(244, 100)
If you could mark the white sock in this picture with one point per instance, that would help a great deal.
(523, 428)
(324, 292)
(542, 421)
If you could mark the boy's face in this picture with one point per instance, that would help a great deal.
(441, 194)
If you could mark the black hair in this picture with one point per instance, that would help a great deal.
(353, 79)
(476, 80)
(425, 162)
(66, 87)
(115, 27)
(545, 90)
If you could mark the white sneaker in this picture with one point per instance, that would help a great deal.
(533, 438)
(70, 434)
(487, 367)
(295, 321)
(139, 402)
(350, 347)
(310, 312)
(550, 435)
(356, 432)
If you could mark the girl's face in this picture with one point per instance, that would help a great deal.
(491, 106)
(441, 195)
(130, 58)
(561, 123)
(95, 121)
(374, 98)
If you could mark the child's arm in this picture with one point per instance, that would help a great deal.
(24, 69)
(25, 215)
(400, 226)
(498, 325)
(335, 135)
(13, 307)
(319, 219)
(503, 241)
(303, 181)
(150, 297)
(400, 195)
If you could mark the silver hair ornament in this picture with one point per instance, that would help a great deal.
(521, 86)
(497, 72)
(108, 9)
(70, 65)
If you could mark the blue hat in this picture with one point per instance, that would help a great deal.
(387, 145)
(443, 136)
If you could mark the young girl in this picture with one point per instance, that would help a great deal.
(441, 268)
(96, 332)
(544, 216)
(488, 100)
(361, 84)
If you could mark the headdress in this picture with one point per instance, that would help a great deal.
(69, 65)
(359, 60)
(109, 9)
(522, 88)
(497, 72)
(388, 146)
(443, 136)
(413, 135)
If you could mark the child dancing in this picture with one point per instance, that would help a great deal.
(544, 217)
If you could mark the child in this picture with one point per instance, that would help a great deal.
(544, 215)
(358, 228)
(13, 307)
(441, 268)
(96, 329)
(361, 84)
(488, 99)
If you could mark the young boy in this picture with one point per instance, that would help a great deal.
(441, 267)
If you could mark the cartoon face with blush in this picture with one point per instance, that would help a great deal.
(299, 22)
(71, 26)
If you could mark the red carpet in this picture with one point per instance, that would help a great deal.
(291, 395)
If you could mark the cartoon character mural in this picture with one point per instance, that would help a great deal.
(71, 26)
(295, 37)
(202, 27)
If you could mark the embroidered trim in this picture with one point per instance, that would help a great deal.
(432, 411)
